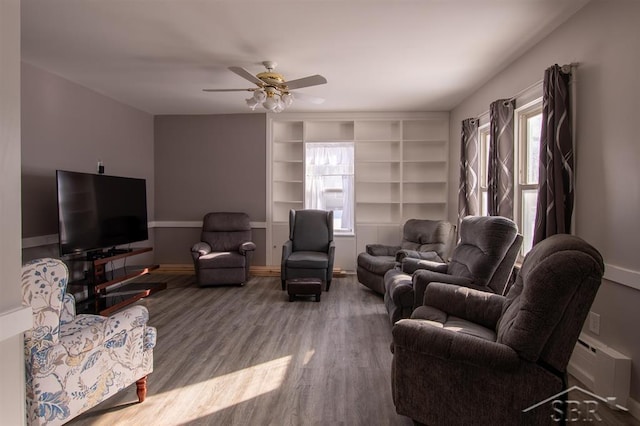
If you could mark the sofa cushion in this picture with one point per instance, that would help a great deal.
(378, 265)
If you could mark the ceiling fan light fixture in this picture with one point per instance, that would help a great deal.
(273, 91)
(270, 103)
(279, 106)
(287, 99)
(252, 103)
(259, 95)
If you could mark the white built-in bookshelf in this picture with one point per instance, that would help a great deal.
(400, 170)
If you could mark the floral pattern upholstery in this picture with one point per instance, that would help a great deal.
(74, 362)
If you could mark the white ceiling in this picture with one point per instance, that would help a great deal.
(391, 55)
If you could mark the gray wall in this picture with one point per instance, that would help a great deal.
(67, 126)
(602, 38)
(207, 163)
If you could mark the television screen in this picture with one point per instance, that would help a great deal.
(99, 211)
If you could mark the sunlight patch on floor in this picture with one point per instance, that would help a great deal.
(219, 393)
(308, 356)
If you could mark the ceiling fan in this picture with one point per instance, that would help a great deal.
(273, 91)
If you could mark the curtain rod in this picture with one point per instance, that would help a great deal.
(566, 68)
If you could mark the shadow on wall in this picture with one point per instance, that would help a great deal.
(39, 205)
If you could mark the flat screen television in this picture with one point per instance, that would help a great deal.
(97, 211)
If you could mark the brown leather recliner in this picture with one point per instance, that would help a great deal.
(223, 255)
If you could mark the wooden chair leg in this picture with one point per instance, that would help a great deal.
(141, 388)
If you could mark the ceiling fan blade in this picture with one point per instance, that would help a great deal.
(228, 90)
(312, 80)
(247, 75)
(307, 98)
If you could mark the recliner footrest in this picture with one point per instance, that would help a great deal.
(304, 287)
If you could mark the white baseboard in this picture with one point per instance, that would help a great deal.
(634, 408)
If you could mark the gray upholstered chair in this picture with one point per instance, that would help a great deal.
(223, 256)
(421, 239)
(472, 357)
(310, 250)
(483, 259)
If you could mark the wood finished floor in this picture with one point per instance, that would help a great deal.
(247, 356)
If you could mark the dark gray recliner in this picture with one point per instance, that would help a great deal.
(421, 239)
(223, 255)
(472, 357)
(483, 259)
(310, 249)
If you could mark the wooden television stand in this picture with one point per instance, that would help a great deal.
(107, 290)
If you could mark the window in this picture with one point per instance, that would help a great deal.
(528, 128)
(329, 181)
(484, 137)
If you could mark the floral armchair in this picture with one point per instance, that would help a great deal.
(74, 362)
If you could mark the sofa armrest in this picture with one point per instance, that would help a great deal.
(247, 246)
(411, 265)
(382, 250)
(200, 249)
(126, 319)
(287, 249)
(424, 338)
(331, 254)
(423, 277)
(480, 307)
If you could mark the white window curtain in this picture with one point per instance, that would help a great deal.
(329, 179)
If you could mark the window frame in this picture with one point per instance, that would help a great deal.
(521, 115)
(484, 135)
(337, 143)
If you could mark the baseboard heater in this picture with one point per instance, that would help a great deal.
(605, 371)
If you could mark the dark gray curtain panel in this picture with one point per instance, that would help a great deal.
(555, 190)
(468, 188)
(500, 165)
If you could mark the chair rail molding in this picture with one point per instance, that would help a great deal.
(623, 276)
(45, 240)
(15, 322)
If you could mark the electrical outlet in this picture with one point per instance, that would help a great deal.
(594, 323)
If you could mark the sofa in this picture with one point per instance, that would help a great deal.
(421, 239)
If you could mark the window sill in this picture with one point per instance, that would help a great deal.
(343, 234)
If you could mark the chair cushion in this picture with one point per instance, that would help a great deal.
(427, 235)
(561, 274)
(311, 230)
(308, 260)
(225, 231)
(222, 221)
(484, 240)
(378, 265)
(222, 259)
